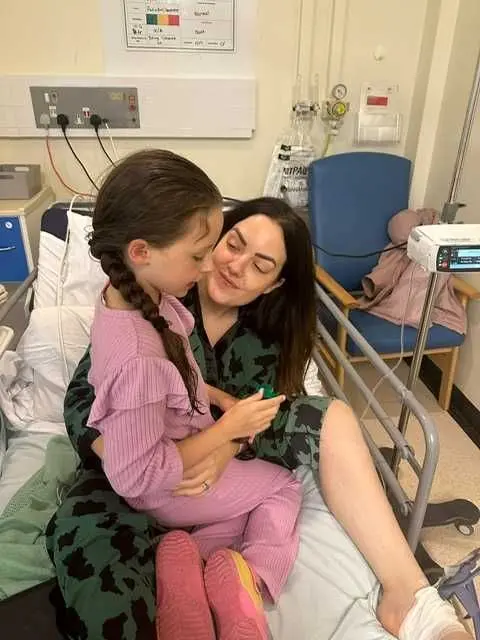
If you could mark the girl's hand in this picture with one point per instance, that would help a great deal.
(226, 401)
(206, 473)
(250, 416)
(220, 399)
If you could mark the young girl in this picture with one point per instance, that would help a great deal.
(156, 220)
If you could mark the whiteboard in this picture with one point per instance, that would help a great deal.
(186, 25)
(120, 59)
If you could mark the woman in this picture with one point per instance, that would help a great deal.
(255, 323)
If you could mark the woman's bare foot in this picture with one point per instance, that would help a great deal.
(392, 610)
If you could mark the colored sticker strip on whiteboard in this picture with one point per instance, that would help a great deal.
(207, 25)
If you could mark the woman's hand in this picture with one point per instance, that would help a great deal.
(250, 416)
(221, 399)
(203, 475)
(97, 447)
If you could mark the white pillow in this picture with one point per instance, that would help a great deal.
(68, 263)
(83, 278)
(52, 345)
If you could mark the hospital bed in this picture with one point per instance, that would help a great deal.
(332, 592)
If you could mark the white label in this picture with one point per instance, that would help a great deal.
(207, 25)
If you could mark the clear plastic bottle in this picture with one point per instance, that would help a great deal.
(293, 152)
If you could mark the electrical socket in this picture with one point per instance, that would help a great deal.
(117, 105)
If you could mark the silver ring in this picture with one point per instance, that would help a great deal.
(206, 486)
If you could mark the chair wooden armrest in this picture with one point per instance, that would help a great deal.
(465, 288)
(332, 286)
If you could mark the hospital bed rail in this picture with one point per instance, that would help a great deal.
(425, 471)
(18, 294)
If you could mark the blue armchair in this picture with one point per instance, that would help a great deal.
(352, 197)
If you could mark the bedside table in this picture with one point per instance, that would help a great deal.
(20, 234)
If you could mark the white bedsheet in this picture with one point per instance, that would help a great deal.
(332, 592)
(27, 437)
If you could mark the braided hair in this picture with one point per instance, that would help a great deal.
(151, 195)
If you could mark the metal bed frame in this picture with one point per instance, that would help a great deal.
(411, 510)
(414, 509)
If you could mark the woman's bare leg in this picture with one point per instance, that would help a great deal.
(352, 490)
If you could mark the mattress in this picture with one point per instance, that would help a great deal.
(331, 592)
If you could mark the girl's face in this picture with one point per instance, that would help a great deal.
(175, 269)
(247, 262)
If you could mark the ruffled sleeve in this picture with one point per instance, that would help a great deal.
(129, 411)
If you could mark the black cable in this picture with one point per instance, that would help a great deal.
(96, 121)
(103, 148)
(364, 255)
(329, 253)
(284, 192)
(63, 121)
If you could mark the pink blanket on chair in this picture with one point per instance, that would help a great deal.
(396, 287)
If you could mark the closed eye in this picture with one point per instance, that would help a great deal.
(262, 268)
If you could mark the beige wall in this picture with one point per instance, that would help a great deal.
(429, 47)
(453, 64)
(465, 48)
(468, 376)
(65, 38)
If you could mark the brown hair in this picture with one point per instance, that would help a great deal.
(286, 315)
(152, 195)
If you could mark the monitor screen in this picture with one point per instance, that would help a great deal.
(464, 259)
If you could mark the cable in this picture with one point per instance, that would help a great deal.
(285, 196)
(299, 39)
(63, 121)
(78, 159)
(364, 255)
(328, 140)
(59, 295)
(57, 173)
(114, 148)
(103, 148)
(322, 249)
(399, 362)
(402, 346)
(96, 121)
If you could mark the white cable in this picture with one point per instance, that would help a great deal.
(299, 41)
(59, 296)
(402, 347)
(114, 148)
(330, 46)
(313, 40)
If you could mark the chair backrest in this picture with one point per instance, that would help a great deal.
(352, 196)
